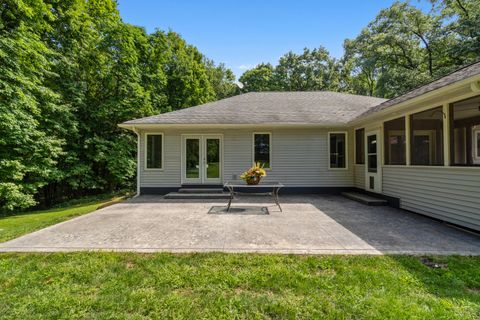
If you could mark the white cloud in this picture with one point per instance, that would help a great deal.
(245, 66)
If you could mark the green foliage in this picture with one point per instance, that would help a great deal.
(70, 71)
(310, 70)
(402, 48)
(259, 78)
(405, 47)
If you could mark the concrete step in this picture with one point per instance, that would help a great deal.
(365, 199)
(184, 195)
(200, 190)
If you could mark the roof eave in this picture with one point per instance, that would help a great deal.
(146, 126)
(473, 82)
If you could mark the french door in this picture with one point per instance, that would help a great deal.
(373, 168)
(202, 159)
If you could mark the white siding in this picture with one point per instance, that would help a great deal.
(299, 158)
(359, 176)
(450, 194)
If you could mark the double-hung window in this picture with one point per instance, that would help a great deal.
(154, 151)
(262, 149)
(337, 146)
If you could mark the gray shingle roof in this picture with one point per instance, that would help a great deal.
(455, 76)
(310, 107)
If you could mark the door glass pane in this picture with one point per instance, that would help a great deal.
(192, 158)
(213, 158)
(372, 153)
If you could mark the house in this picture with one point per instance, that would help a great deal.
(422, 148)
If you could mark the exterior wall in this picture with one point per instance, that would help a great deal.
(299, 157)
(447, 193)
(359, 176)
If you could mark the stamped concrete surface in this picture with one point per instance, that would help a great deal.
(318, 224)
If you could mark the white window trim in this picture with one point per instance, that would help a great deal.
(270, 149)
(145, 151)
(346, 150)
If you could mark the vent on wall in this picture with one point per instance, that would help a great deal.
(372, 183)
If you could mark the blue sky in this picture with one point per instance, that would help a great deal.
(244, 33)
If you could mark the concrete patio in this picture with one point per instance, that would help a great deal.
(315, 224)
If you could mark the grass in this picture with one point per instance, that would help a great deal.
(236, 286)
(13, 226)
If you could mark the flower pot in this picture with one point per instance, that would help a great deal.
(253, 181)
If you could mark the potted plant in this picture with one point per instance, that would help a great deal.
(253, 175)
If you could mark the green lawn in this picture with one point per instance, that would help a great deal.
(236, 286)
(16, 225)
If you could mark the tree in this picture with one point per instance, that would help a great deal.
(32, 118)
(259, 78)
(311, 70)
(70, 71)
(405, 47)
(462, 19)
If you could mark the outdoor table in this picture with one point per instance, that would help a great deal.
(237, 187)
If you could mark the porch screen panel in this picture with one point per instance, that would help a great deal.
(338, 150)
(154, 151)
(465, 132)
(426, 138)
(395, 142)
(262, 149)
(360, 146)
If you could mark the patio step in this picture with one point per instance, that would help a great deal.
(200, 190)
(186, 195)
(365, 199)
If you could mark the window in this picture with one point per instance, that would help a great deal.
(154, 152)
(465, 132)
(337, 149)
(360, 146)
(262, 149)
(426, 139)
(395, 141)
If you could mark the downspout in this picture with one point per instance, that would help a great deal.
(138, 161)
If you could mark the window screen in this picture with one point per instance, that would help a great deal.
(465, 132)
(426, 138)
(395, 142)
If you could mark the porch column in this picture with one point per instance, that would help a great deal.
(446, 134)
